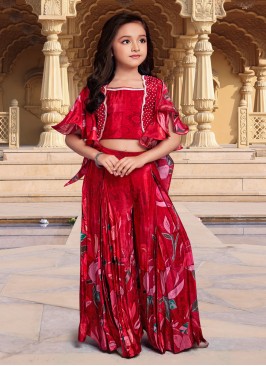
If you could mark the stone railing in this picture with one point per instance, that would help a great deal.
(9, 126)
(251, 127)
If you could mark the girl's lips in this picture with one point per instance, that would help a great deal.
(135, 56)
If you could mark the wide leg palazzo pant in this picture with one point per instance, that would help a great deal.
(136, 269)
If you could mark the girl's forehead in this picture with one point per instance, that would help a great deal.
(133, 29)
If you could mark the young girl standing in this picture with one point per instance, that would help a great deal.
(136, 269)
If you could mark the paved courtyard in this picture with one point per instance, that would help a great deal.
(39, 300)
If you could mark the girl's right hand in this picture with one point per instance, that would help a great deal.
(108, 161)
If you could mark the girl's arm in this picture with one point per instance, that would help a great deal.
(163, 147)
(126, 165)
(77, 144)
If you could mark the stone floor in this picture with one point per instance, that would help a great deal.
(39, 294)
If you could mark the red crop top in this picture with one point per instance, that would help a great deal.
(124, 106)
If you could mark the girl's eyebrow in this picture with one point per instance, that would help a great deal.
(142, 35)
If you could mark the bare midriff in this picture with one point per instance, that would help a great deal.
(130, 145)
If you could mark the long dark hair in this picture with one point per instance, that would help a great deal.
(104, 63)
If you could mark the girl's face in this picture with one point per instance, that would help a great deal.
(130, 45)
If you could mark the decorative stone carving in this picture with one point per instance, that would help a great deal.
(203, 10)
(242, 127)
(203, 90)
(52, 7)
(51, 95)
(64, 63)
(260, 88)
(187, 103)
(246, 89)
(14, 124)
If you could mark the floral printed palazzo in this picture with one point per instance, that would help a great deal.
(136, 264)
(137, 269)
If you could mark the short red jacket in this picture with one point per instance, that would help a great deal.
(157, 110)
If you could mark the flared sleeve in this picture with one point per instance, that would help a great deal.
(164, 112)
(78, 120)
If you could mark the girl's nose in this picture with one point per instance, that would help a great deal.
(135, 47)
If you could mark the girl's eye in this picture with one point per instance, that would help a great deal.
(142, 40)
(125, 41)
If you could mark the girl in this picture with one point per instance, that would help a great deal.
(136, 269)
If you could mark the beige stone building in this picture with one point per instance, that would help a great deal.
(211, 54)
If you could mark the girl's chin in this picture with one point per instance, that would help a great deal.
(129, 65)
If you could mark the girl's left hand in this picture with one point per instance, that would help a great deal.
(127, 164)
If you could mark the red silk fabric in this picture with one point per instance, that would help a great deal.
(137, 268)
(123, 114)
(157, 111)
(136, 263)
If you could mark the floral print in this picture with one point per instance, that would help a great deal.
(137, 268)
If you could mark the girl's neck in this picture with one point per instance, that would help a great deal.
(134, 80)
(122, 75)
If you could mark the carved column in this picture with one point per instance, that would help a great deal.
(202, 14)
(203, 88)
(170, 64)
(178, 54)
(51, 95)
(246, 89)
(64, 40)
(260, 89)
(52, 15)
(76, 83)
(71, 73)
(187, 102)
(76, 79)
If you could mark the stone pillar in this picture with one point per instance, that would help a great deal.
(260, 89)
(76, 83)
(246, 89)
(170, 64)
(71, 73)
(178, 54)
(51, 95)
(64, 40)
(203, 88)
(76, 79)
(187, 102)
(164, 75)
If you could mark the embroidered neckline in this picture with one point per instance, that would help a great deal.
(124, 88)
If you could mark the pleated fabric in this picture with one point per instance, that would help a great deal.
(136, 264)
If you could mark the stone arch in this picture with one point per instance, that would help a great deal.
(243, 41)
(10, 59)
(171, 10)
(254, 25)
(230, 51)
